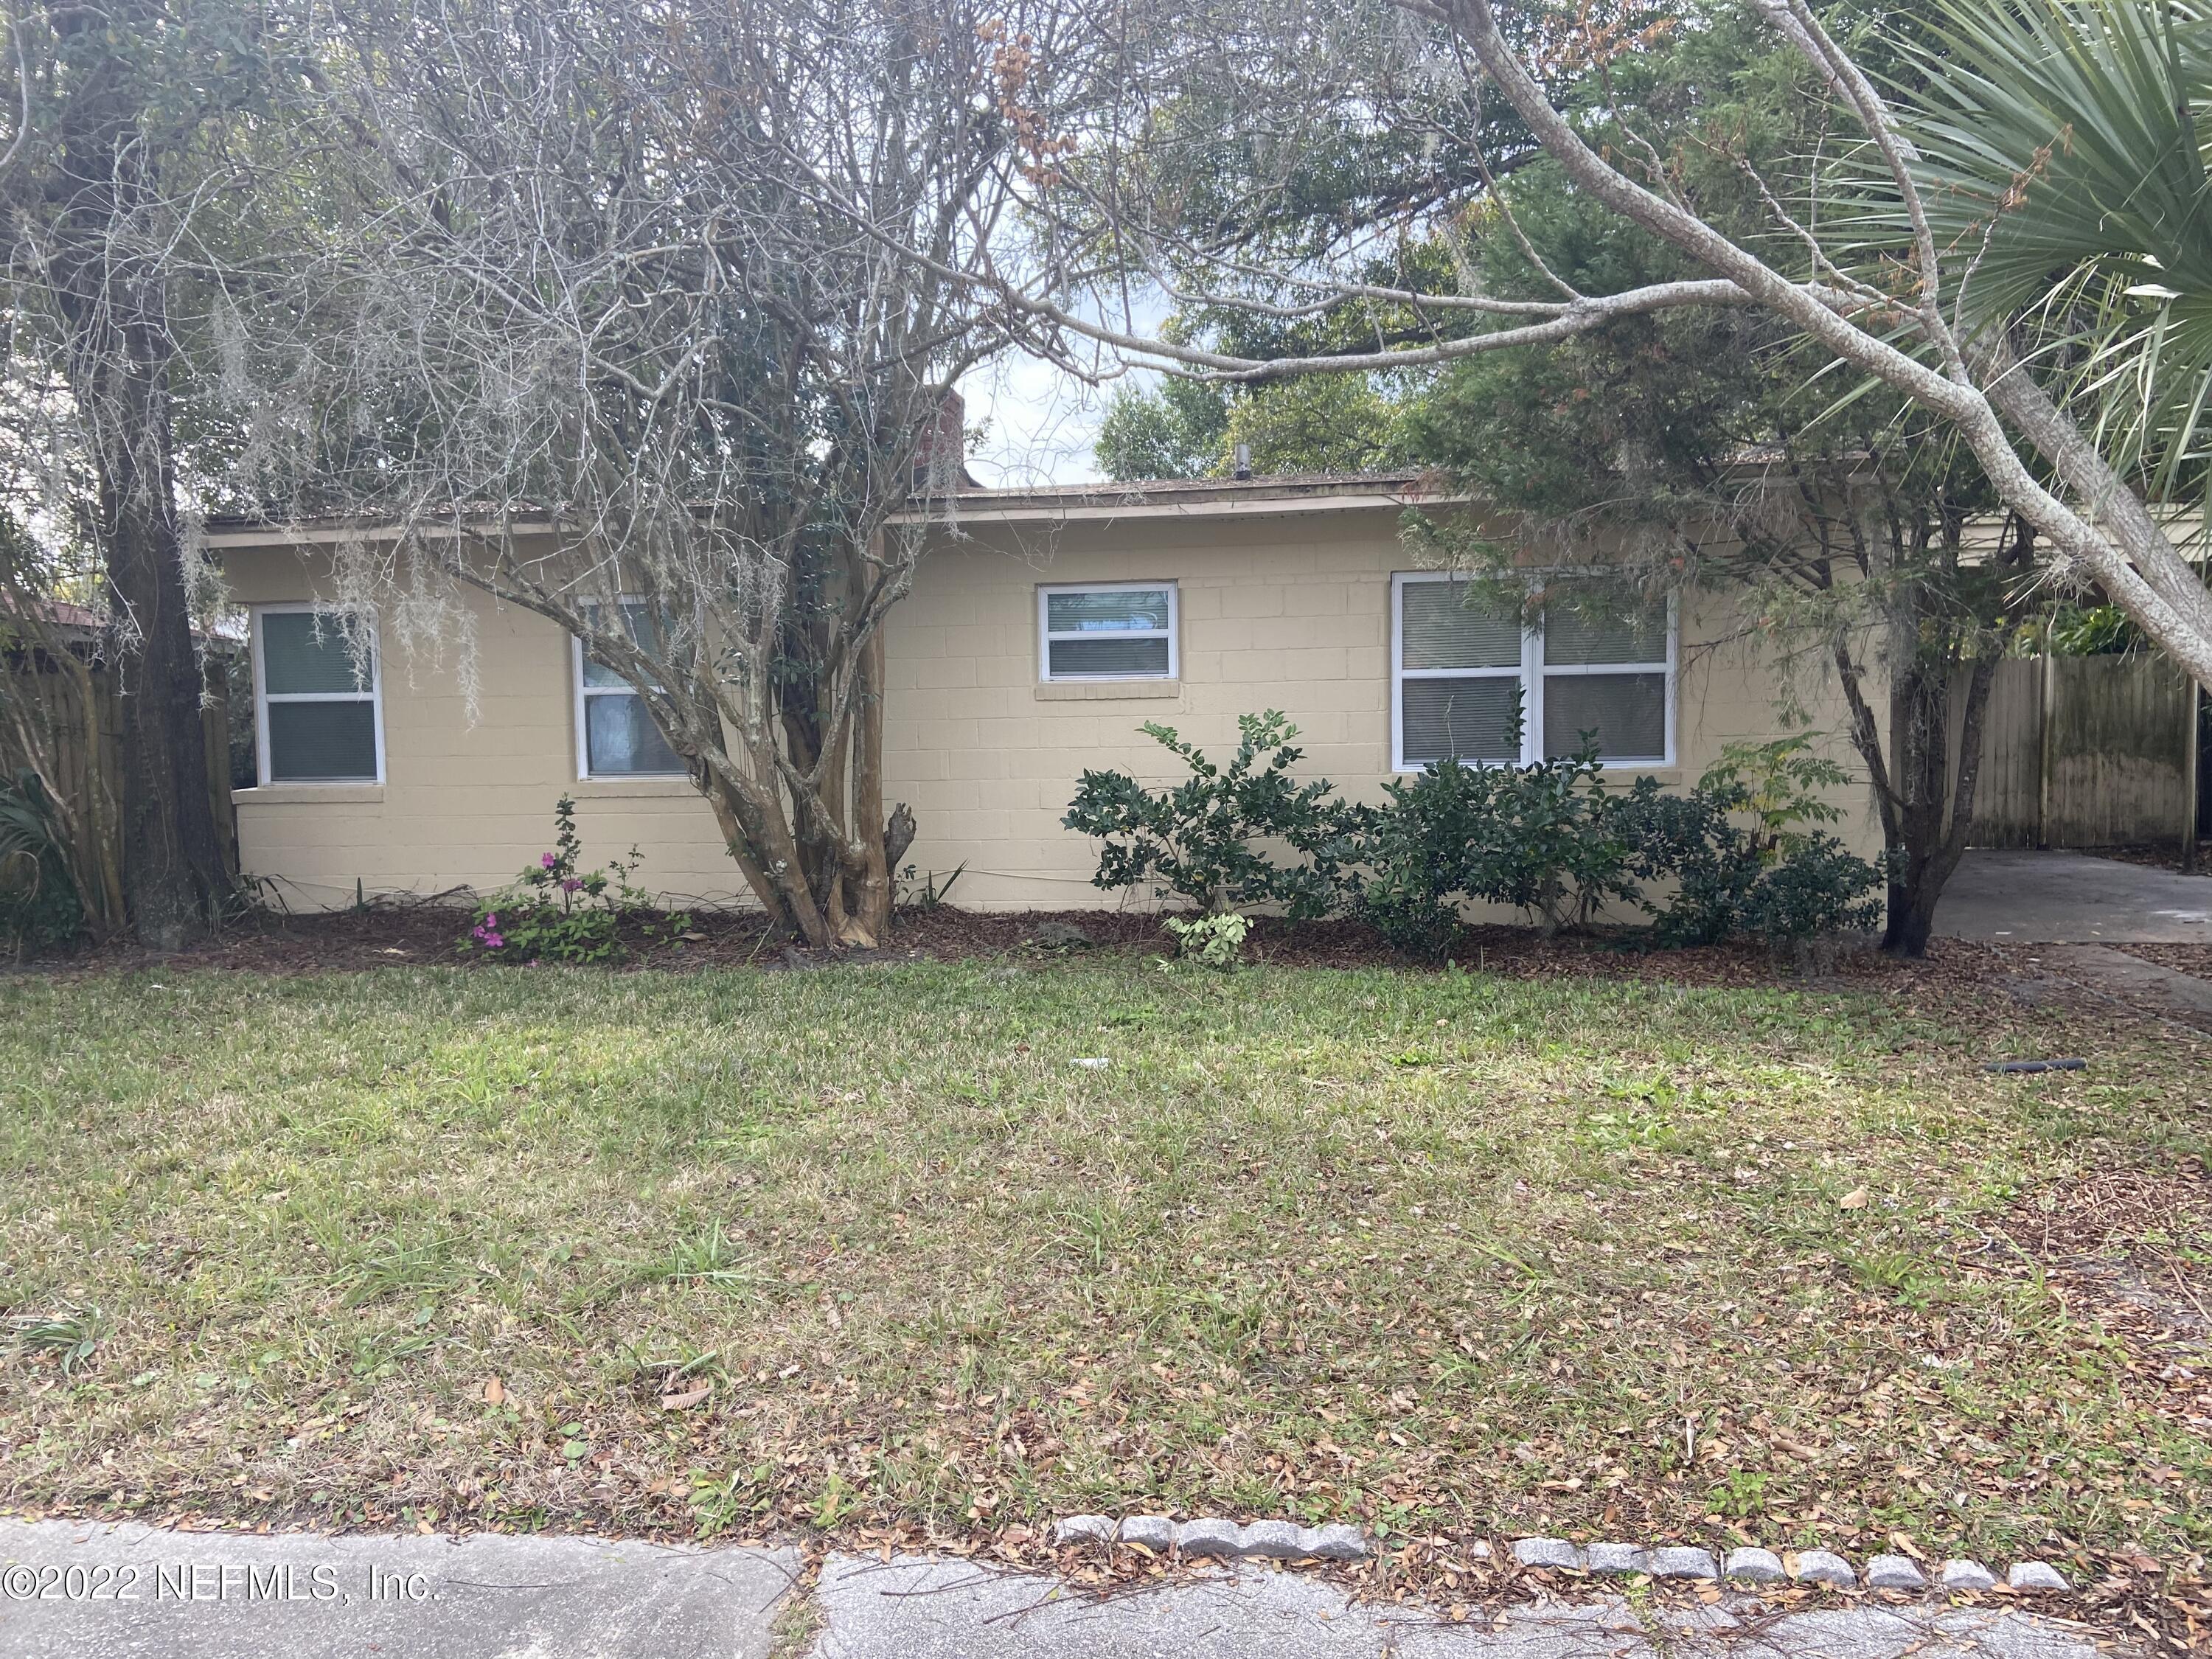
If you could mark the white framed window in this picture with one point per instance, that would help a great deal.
(318, 700)
(1108, 631)
(1456, 668)
(616, 735)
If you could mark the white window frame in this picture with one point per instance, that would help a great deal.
(1531, 673)
(583, 773)
(262, 698)
(1173, 631)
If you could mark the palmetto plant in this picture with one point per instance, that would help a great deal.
(2065, 146)
(38, 899)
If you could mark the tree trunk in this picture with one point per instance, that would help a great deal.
(176, 882)
(1936, 813)
(867, 861)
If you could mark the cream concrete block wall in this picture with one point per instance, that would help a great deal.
(1287, 610)
(464, 802)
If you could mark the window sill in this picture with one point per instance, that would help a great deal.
(1108, 690)
(301, 794)
(1614, 777)
(638, 788)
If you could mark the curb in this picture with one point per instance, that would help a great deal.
(1284, 1541)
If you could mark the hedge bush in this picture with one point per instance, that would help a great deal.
(1547, 837)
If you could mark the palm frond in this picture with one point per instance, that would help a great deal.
(2064, 146)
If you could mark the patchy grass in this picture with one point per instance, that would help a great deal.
(730, 1252)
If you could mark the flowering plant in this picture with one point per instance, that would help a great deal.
(556, 910)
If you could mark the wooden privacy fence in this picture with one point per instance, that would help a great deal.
(61, 717)
(2087, 751)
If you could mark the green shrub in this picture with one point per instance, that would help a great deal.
(39, 906)
(1544, 837)
(1548, 838)
(1197, 840)
(1215, 941)
(1556, 847)
(1772, 879)
(558, 911)
(1412, 851)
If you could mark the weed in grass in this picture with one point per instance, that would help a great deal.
(1914, 1282)
(705, 1258)
(423, 1270)
(732, 1502)
(71, 1334)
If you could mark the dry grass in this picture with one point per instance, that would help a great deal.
(734, 1252)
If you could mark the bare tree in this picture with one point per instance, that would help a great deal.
(581, 340)
(1919, 332)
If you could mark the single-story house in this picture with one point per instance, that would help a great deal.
(1044, 627)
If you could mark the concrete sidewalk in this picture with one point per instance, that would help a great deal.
(913, 1608)
(83, 1591)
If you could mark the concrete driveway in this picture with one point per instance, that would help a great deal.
(2073, 898)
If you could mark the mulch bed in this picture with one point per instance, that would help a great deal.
(387, 934)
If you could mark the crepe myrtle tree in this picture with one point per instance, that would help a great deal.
(2017, 248)
(582, 335)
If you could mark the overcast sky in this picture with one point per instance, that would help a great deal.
(1038, 421)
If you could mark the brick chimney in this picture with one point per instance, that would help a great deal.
(941, 459)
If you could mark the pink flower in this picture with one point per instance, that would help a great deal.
(572, 885)
(548, 860)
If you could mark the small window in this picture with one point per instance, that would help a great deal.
(616, 735)
(1463, 660)
(318, 714)
(1119, 631)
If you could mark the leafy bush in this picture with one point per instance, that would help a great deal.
(1197, 840)
(1413, 851)
(1544, 837)
(1773, 879)
(1548, 838)
(39, 907)
(1556, 846)
(1215, 941)
(558, 911)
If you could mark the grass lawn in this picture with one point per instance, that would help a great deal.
(736, 1251)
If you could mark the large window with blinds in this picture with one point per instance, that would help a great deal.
(1108, 631)
(1463, 664)
(318, 715)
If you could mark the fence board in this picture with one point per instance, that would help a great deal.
(2009, 796)
(2119, 752)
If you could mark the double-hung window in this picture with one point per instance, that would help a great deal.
(616, 736)
(1107, 631)
(318, 715)
(1463, 661)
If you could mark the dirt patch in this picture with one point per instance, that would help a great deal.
(2127, 1247)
